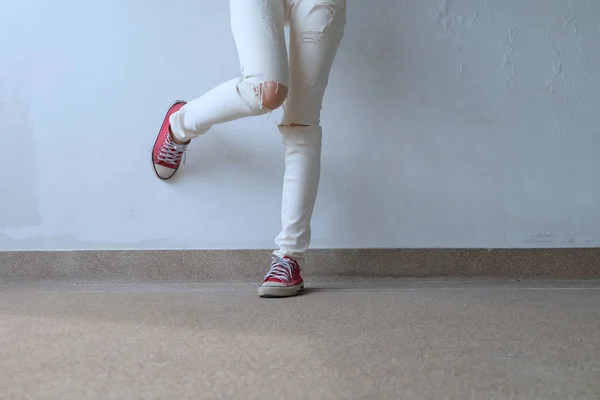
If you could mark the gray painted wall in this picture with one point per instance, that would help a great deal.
(452, 123)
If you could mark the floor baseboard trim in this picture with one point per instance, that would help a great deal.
(251, 265)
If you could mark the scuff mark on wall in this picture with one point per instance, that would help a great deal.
(559, 74)
(442, 13)
(540, 237)
(552, 239)
(455, 26)
(514, 73)
(475, 17)
(568, 20)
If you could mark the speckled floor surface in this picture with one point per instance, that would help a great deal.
(354, 340)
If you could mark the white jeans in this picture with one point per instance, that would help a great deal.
(316, 29)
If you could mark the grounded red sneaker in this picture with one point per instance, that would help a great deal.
(283, 279)
(166, 154)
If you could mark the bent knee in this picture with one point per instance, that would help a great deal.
(272, 95)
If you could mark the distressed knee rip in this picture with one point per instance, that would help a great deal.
(316, 36)
(262, 96)
(271, 95)
(293, 125)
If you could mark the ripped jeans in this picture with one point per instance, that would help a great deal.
(316, 29)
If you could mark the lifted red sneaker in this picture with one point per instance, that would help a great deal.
(283, 279)
(166, 154)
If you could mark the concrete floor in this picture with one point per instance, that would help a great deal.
(355, 340)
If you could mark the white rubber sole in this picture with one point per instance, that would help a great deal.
(280, 291)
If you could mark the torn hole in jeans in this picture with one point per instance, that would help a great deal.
(293, 125)
(252, 91)
(315, 36)
(329, 5)
(259, 92)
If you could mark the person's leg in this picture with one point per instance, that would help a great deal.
(316, 30)
(258, 29)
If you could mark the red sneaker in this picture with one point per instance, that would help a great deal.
(283, 279)
(166, 154)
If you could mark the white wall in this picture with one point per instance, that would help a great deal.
(468, 123)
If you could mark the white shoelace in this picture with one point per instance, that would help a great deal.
(282, 268)
(171, 152)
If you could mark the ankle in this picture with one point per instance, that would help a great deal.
(175, 138)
